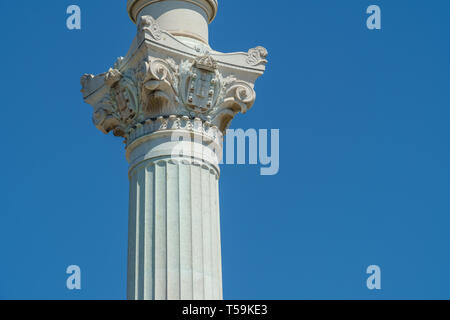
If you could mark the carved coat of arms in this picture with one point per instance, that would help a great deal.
(202, 84)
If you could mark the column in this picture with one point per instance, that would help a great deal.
(171, 99)
(174, 220)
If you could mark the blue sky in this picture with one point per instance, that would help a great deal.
(364, 174)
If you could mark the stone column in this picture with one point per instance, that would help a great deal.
(172, 98)
(174, 228)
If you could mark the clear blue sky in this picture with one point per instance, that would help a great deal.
(365, 152)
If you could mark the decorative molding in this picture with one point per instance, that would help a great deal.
(148, 25)
(257, 56)
(135, 6)
(206, 62)
(173, 122)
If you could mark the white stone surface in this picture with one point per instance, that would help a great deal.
(171, 83)
(174, 227)
(172, 16)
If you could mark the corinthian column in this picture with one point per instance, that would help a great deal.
(172, 98)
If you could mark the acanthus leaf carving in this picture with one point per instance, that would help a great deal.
(119, 106)
(159, 84)
(237, 96)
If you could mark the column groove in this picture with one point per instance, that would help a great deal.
(141, 175)
(173, 234)
(149, 255)
(214, 238)
(197, 234)
(131, 283)
(185, 203)
(206, 227)
(161, 232)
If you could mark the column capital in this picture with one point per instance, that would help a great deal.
(164, 80)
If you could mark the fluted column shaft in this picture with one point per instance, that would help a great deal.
(174, 226)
